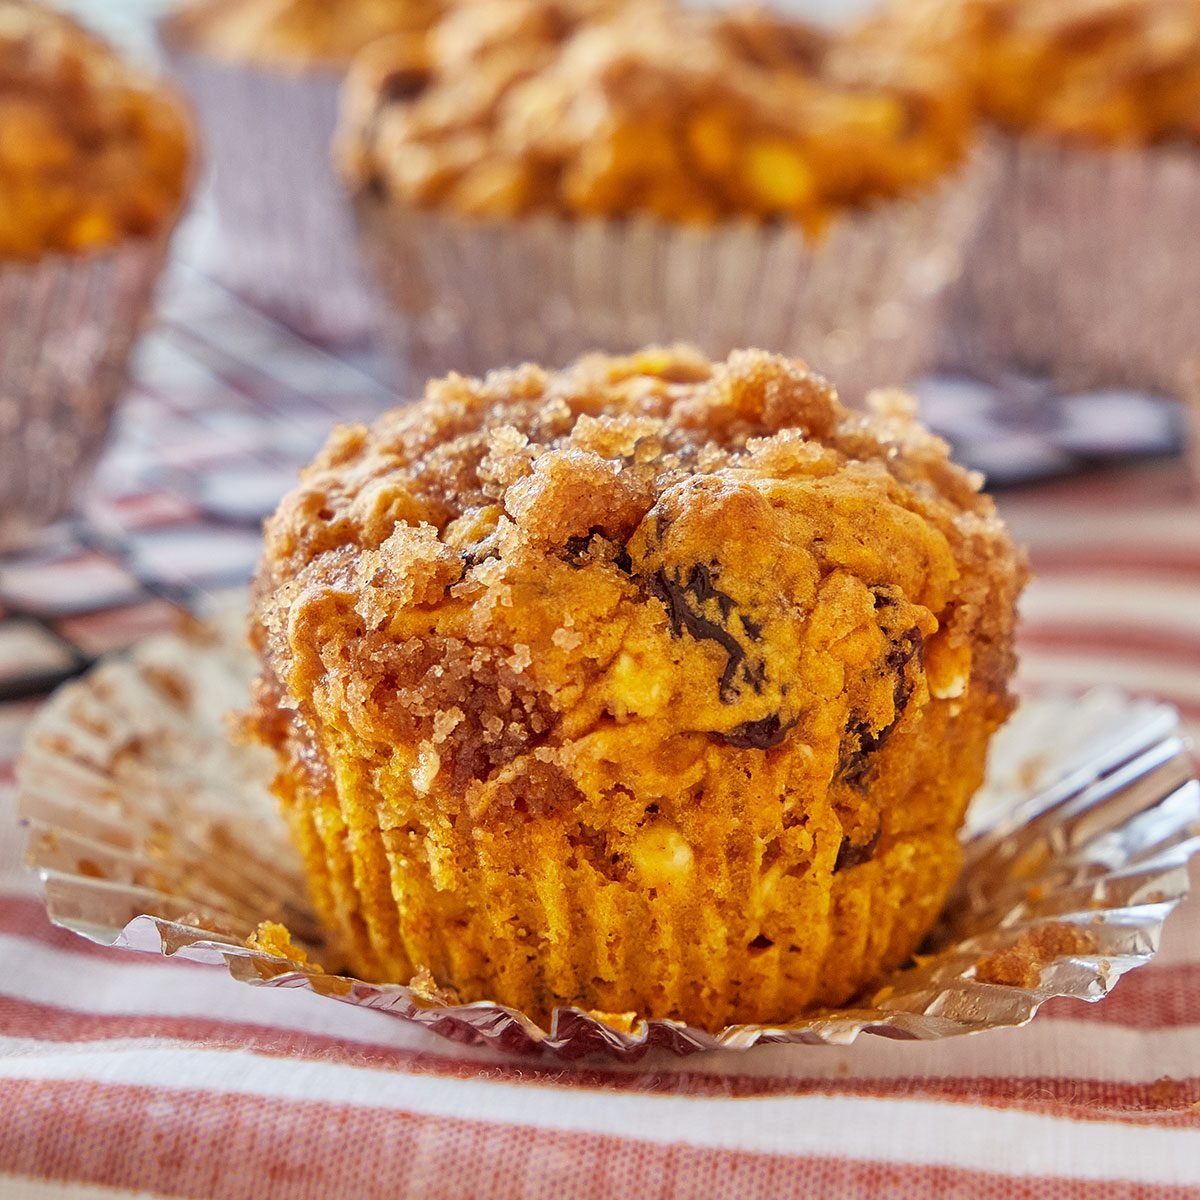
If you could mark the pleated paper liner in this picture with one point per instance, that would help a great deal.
(68, 325)
(152, 830)
(861, 304)
(1085, 267)
(284, 232)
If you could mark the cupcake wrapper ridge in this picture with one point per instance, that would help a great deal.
(862, 305)
(1085, 267)
(69, 325)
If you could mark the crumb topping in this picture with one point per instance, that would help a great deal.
(587, 108)
(295, 34)
(519, 564)
(1106, 72)
(91, 150)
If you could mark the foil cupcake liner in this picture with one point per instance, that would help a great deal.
(1085, 267)
(153, 831)
(69, 324)
(862, 304)
(283, 233)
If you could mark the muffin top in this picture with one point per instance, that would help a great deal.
(589, 109)
(294, 33)
(91, 150)
(1107, 72)
(541, 570)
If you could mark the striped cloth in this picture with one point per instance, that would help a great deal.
(124, 1075)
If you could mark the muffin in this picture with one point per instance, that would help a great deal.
(1086, 267)
(536, 179)
(94, 166)
(264, 76)
(649, 686)
(296, 35)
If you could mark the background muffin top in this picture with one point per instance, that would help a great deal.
(294, 33)
(1111, 72)
(515, 106)
(91, 150)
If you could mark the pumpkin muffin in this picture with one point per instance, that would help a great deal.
(650, 686)
(536, 179)
(1095, 72)
(92, 151)
(1086, 265)
(295, 34)
(95, 164)
(582, 109)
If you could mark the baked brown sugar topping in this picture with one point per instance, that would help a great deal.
(651, 685)
(294, 33)
(91, 150)
(592, 109)
(1109, 72)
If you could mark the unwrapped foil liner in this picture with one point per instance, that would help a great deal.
(153, 831)
(1085, 267)
(283, 236)
(862, 304)
(67, 326)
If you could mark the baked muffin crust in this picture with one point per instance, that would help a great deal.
(1103, 72)
(294, 33)
(91, 150)
(651, 685)
(587, 109)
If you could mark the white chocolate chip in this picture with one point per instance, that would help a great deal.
(661, 855)
(429, 763)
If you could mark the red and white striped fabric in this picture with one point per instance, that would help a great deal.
(123, 1075)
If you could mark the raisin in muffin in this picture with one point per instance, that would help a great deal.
(92, 151)
(653, 685)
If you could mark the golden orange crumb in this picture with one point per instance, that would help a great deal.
(1020, 965)
(272, 938)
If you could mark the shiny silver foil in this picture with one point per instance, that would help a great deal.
(68, 324)
(862, 304)
(152, 830)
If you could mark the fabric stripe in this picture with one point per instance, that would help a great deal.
(1169, 529)
(234, 1147)
(910, 1131)
(1118, 563)
(22, 1187)
(1164, 1098)
(1114, 641)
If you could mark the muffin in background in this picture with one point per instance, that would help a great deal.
(295, 35)
(650, 686)
(536, 179)
(95, 163)
(1087, 266)
(264, 76)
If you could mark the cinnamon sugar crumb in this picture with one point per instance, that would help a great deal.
(1020, 965)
